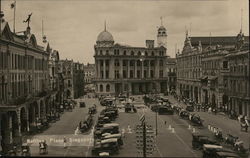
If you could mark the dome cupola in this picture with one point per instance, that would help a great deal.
(105, 38)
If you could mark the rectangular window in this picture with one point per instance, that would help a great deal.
(124, 74)
(124, 62)
(161, 73)
(152, 73)
(138, 74)
(131, 74)
(132, 63)
(107, 74)
(145, 74)
(152, 63)
(101, 74)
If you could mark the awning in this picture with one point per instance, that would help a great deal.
(212, 77)
(203, 77)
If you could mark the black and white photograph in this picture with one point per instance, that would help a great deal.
(125, 78)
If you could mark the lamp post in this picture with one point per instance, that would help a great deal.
(156, 123)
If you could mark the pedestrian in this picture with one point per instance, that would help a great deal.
(123, 133)
(64, 142)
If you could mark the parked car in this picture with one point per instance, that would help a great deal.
(82, 104)
(190, 108)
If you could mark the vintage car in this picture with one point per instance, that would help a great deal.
(154, 107)
(196, 120)
(109, 145)
(122, 98)
(165, 110)
(82, 104)
(107, 101)
(92, 110)
(118, 136)
(87, 123)
(210, 150)
(224, 154)
(109, 129)
(190, 108)
(184, 114)
(25, 149)
(129, 107)
(199, 140)
(99, 125)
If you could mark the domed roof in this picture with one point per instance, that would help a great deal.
(105, 36)
(162, 28)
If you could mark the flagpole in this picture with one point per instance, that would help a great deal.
(14, 25)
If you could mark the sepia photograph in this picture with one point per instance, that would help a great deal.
(125, 78)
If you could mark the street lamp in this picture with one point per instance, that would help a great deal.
(156, 127)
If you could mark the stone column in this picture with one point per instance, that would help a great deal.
(142, 69)
(104, 69)
(19, 133)
(157, 68)
(121, 68)
(149, 72)
(9, 131)
(128, 66)
(135, 69)
(111, 69)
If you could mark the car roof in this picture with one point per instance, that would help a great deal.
(113, 135)
(110, 124)
(109, 140)
(212, 146)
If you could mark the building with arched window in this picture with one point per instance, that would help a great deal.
(127, 69)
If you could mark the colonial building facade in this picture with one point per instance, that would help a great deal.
(31, 83)
(202, 70)
(131, 70)
(171, 74)
(89, 73)
(78, 80)
(25, 94)
(236, 77)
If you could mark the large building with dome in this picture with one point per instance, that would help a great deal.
(123, 69)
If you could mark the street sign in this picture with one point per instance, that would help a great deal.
(142, 118)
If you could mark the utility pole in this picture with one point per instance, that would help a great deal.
(1, 16)
(144, 140)
(156, 124)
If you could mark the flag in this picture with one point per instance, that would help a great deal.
(13, 5)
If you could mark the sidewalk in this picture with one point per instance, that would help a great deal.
(227, 125)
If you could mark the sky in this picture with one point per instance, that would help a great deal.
(72, 26)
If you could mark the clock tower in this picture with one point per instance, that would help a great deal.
(162, 36)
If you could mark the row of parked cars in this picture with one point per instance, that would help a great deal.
(159, 104)
(214, 148)
(107, 136)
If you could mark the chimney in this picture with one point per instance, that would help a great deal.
(150, 43)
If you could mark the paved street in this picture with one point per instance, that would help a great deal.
(78, 145)
(169, 143)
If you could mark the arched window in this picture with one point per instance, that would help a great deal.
(107, 88)
(101, 88)
(161, 63)
(139, 53)
(146, 53)
(132, 53)
(124, 52)
(153, 54)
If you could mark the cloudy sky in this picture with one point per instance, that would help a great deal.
(72, 26)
